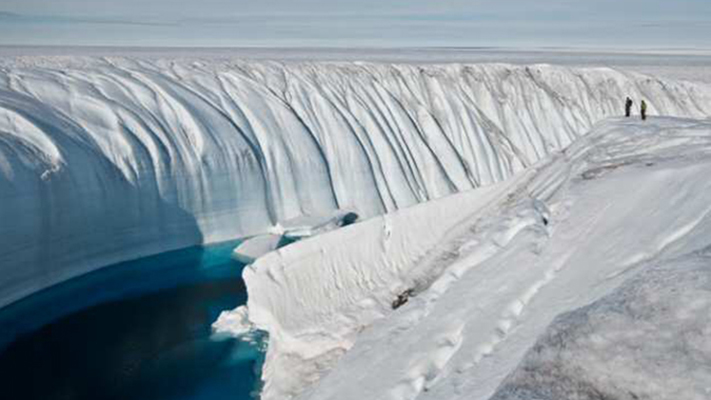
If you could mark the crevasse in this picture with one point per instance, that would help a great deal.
(106, 159)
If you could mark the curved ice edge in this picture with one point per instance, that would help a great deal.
(103, 159)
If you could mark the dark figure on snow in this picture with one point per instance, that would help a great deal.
(643, 109)
(628, 107)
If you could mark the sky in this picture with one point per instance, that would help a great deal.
(359, 23)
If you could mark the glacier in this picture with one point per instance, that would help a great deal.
(590, 268)
(104, 159)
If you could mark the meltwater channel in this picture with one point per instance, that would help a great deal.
(138, 330)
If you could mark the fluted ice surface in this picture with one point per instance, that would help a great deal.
(105, 159)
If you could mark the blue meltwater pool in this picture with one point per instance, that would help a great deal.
(138, 330)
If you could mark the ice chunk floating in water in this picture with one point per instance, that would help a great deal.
(137, 330)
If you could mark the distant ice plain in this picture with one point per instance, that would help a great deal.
(688, 64)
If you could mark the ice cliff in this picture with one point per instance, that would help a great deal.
(105, 159)
(585, 276)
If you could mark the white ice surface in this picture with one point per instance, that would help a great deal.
(686, 64)
(104, 159)
(649, 339)
(490, 269)
(235, 323)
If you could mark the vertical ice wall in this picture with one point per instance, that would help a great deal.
(105, 159)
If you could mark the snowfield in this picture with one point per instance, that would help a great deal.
(104, 159)
(649, 339)
(585, 276)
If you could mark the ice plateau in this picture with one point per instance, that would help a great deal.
(108, 158)
(585, 276)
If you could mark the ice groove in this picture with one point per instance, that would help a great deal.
(155, 154)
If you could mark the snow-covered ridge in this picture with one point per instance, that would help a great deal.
(104, 159)
(489, 269)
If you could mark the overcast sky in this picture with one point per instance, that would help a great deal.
(366, 23)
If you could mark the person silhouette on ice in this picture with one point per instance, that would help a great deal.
(628, 107)
(643, 109)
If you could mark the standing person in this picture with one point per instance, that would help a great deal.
(628, 107)
(643, 109)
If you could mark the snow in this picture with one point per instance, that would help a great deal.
(108, 158)
(487, 252)
(487, 272)
(662, 317)
(235, 323)
(684, 64)
(327, 283)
